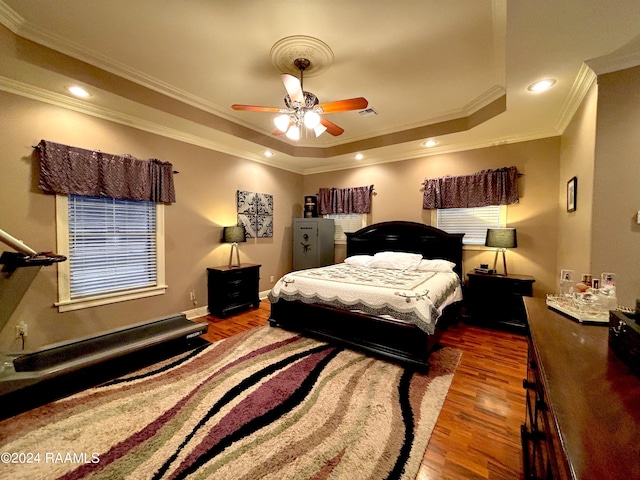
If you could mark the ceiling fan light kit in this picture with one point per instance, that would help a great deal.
(303, 108)
(282, 122)
(293, 132)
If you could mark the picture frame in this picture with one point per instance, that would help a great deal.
(572, 194)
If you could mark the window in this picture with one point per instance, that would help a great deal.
(473, 222)
(115, 250)
(346, 222)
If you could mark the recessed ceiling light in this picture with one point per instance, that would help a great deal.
(78, 91)
(359, 156)
(268, 154)
(541, 85)
(430, 143)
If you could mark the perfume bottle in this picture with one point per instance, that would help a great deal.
(607, 291)
(566, 283)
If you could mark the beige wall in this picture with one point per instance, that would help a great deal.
(577, 160)
(616, 190)
(398, 196)
(600, 236)
(600, 147)
(205, 188)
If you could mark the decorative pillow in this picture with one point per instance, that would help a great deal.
(396, 260)
(436, 265)
(359, 260)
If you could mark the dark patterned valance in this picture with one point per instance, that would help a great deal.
(71, 170)
(488, 187)
(344, 200)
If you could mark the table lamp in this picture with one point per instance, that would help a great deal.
(233, 235)
(501, 239)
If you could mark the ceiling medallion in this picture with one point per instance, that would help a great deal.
(285, 51)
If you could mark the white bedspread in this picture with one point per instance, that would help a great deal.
(415, 297)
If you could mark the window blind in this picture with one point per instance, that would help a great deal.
(112, 245)
(347, 222)
(473, 222)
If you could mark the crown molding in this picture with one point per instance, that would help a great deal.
(10, 18)
(581, 85)
(422, 152)
(63, 101)
(21, 27)
(614, 62)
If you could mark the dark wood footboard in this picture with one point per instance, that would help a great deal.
(396, 341)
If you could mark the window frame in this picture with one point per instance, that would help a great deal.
(65, 303)
(502, 222)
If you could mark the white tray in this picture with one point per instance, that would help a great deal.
(577, 315)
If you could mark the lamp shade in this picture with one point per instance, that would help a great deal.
(501, 238)
(234, 234)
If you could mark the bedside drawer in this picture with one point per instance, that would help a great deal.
(234, 285)
(522, 288)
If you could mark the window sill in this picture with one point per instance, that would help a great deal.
(70, 305)
(479, 247)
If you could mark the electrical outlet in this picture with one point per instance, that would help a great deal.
(21, 330)
(192, 295)
(271, 278)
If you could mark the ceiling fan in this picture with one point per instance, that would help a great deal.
(303, 108)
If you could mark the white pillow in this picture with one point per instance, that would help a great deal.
(359, 260)
(396, 260)
(436, 265)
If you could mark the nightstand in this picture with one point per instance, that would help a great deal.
(232, 288)
(496, 300)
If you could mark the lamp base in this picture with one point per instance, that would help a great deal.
(504, 262)
(234, 246)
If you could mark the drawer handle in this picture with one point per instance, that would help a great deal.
(541, 405)
(527, 385)
(535, 435)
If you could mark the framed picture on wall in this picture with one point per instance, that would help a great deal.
(572, 194)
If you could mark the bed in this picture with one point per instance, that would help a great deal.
(380, 333)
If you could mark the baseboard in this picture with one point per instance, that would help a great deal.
(263, 295)
(197, 312)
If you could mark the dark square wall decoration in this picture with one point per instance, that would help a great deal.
(255, 212)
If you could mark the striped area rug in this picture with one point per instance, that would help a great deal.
(263, 404)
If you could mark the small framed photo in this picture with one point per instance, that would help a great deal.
(566, 275)
(572, 194)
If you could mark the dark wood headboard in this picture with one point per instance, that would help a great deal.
(409, 237)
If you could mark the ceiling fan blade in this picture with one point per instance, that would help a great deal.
(255, 108)
(293, 87)
(332, 128)
(344, 105)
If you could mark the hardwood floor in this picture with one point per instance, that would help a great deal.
(477, 435)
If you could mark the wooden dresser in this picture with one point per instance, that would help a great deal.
(583, 402)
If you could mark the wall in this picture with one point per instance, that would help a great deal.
(205, 189)
(398, 196)
(616, 190)
(577, 160)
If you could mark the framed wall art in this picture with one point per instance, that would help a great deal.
(572, 194)
(255, 212)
